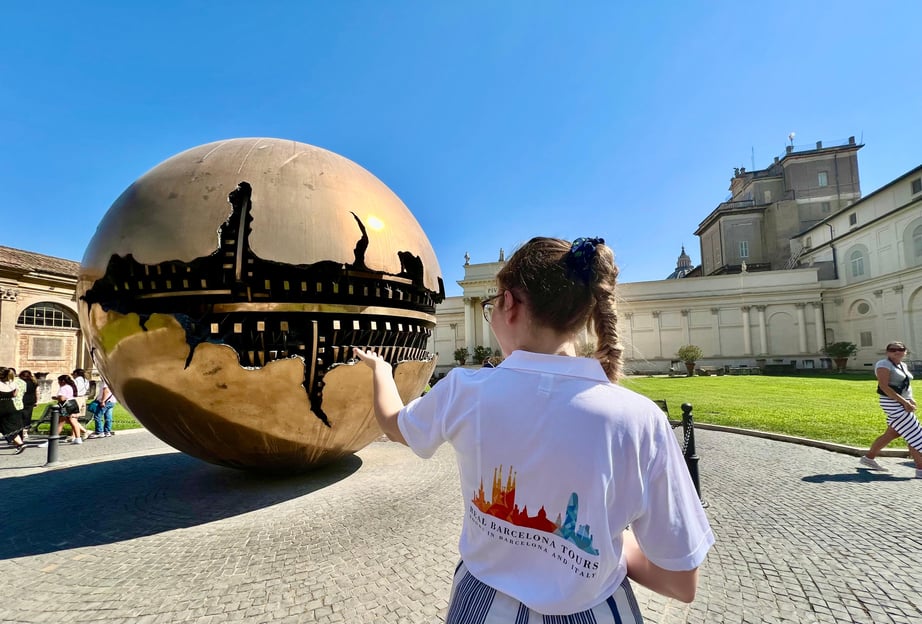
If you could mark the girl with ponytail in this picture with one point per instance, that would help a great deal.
(572, 484)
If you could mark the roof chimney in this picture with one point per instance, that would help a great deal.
(819, 145)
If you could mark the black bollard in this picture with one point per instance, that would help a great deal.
(691, 457)
(53, 436)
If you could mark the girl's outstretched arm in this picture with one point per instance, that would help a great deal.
(681, 585)
(386, 396)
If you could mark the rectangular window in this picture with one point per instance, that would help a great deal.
(827, 207)
(917, 186)
(865, 339)
(47, 349)
(808, 243)
(768, 196)
(857, 263)
(822, 178)
(744, 249)
(853, 218)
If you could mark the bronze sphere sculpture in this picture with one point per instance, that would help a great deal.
(223, 290)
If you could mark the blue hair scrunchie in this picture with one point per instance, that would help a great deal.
(580, 257)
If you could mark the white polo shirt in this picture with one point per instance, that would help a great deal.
(555, 462)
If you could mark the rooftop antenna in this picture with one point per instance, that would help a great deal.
(753, 157)
(791, 138)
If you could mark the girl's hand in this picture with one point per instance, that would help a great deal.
(370, 357)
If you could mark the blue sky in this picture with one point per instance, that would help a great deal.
(493, 121)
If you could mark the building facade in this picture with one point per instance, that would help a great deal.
(770, 207)
(39, 330)
(794, 260)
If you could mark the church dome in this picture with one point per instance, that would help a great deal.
(683, 266)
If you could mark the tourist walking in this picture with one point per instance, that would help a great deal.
(18, 401)
(572, 484)
(82, 384)
(67, 390)
(10, 416)
(29, 399)
(102, 417)
(894, 387)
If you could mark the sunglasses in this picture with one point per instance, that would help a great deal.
(895, 350)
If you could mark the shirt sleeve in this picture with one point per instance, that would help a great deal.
(422, 421)
(673, 531)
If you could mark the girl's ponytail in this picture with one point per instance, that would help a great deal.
(604, 318)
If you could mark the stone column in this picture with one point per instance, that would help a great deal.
(656, 331)
(469, 324)
(9, 343)
(486, 331)
(763, 336)
(819, 330)
(715, 328)
(626, 335)
(685, 326)
(802, 326)
(903, 316)
(747, 338)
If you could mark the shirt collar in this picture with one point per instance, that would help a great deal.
(588, 368)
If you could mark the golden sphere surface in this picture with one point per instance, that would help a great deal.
(223, 290)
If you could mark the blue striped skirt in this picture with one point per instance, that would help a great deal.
(474, 602)
(903, 422)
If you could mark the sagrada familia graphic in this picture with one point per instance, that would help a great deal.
(502, 505)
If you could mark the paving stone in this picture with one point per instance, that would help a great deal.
(156, 536)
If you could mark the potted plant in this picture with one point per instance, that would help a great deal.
(689, 354)
(481, 353)
(840, 352)
(461, 355)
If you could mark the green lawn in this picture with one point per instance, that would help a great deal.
(121, 419)
(831, 408)
(841, 409)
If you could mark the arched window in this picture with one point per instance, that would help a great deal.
(856, 261)
(917, 243)
(47, 315)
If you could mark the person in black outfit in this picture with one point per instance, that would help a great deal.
(10, 417)
(29, 398)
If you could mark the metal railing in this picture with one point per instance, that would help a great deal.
(793, 149)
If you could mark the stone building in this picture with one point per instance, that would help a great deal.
(39, 330)
(769, 207)
(793, 260)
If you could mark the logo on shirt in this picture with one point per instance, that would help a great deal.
(502, 505)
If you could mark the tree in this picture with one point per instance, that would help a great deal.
(461, 354)
(690, 354)
(840, 352)
(481, 353)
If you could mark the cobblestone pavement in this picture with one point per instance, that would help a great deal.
(128, 530)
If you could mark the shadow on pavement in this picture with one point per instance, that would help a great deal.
(860, 476)
(118, 500)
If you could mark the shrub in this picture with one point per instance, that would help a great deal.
(689, 353)
(839, 350)
(461, 354)
(481, 353)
